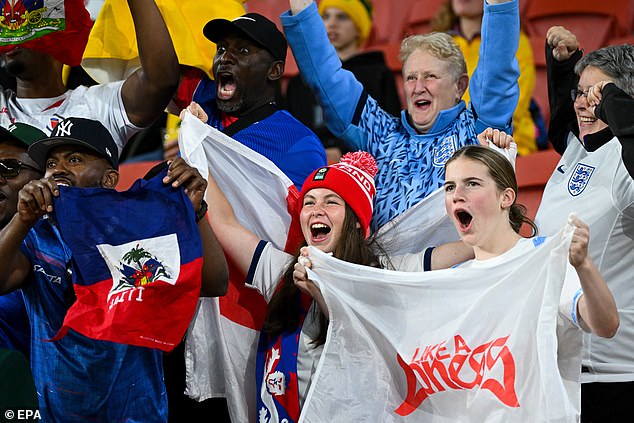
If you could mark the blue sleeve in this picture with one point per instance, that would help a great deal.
(493, 88)
(336, 89)
(302, 159)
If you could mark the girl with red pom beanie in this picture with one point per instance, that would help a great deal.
(334, 213)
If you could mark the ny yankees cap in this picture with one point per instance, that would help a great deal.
(254, 26)
(22, 133)
(77, 131)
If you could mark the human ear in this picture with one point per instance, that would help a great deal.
(276, 71)
(508, 198)
(110, 178)
(461, 85)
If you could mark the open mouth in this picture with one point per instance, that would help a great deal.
(319, 231)
(226, 85)
(63, 182)
(422, 103)
(464, 218)
(587, 120)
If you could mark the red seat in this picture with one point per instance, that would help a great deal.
(628, 39)
(540, 92)
(272, 9)
(389, 21)
(593, 22)
(620, 10)
(421, 13)
(131, 171)
(533, 172)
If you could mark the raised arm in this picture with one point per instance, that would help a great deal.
(238, 242)
(299, 5)
(616, 108)
(34, 200)
(215, 273)
(493, 88)
(562, 53)
(596, 306)
(147, 91)
(337, 91)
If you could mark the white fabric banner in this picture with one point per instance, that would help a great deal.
(456, 345)
(423, 225)
(221, 342)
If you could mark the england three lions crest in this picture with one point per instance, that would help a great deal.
(579, 179)
(445, 150)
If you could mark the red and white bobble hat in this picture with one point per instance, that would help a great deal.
(352, 179)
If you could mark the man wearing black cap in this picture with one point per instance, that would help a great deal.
(78, 378)
(240, 101)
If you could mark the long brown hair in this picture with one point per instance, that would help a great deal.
(503, 174)
(283, 313)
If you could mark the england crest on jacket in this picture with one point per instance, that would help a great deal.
(579, 179)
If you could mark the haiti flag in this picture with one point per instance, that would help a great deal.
(56, 27)
(137, 262)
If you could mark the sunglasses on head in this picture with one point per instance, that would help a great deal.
(11, 168)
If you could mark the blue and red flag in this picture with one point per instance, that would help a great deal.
(137, 262)
(56, 27)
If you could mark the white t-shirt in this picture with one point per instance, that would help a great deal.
(569, 334)
(598, 188)
(100, 102)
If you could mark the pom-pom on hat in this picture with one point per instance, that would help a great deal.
(352, 179)
(360, 11)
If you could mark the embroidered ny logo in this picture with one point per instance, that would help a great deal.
(63, 129)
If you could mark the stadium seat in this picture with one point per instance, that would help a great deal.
(533, 172)
(628, 39)
(131, 171)
(523, 6)
(593, 22)
(388, 21)
(421, 13)
(540, 92)
(272, 9)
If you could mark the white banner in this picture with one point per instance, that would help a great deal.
(456, 345)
